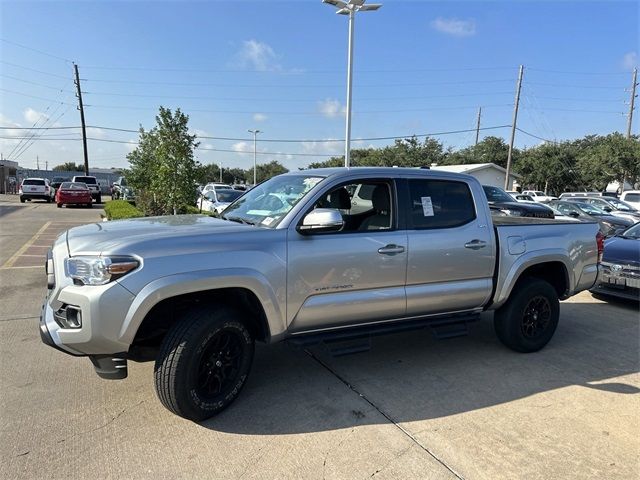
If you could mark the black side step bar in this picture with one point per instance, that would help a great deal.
(358, 339)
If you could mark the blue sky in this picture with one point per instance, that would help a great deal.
(420, 67)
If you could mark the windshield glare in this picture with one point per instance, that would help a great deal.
(633, 232)
(268, 203)
(494, 194)
(590, 209)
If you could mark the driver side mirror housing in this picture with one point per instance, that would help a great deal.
(574, 214)
(607, 209)
(321, 220)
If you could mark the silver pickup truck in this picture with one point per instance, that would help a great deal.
(327, 255)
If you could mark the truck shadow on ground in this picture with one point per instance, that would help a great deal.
(412, 376)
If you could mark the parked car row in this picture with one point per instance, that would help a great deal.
(61, 190)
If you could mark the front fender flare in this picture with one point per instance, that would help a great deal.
(198, 281)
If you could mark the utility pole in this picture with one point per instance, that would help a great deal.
(220, 172)
(84, 129)
(478, 124)
(632, 101)
(513, 127)
(46, 164)
(255, 134)
(37, 162)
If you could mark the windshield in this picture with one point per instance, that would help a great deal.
(268, 203)
(228, 196)
(633, 232)
(495, 194)
(87, 180)
(620, 205)
(590, 209)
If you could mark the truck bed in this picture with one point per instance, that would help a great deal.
(523, 242)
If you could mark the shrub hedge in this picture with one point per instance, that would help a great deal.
(120, 209)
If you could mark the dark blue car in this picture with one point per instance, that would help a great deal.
(620, 269)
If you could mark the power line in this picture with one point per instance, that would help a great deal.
(567, 85)
(33, 69)
(288, 72)
(249, 112)
(288, 85)
(278, 100)
(35, 50)
(582, 110)
(570, 72)
(274, 140)
(30, 96)
(29, 82)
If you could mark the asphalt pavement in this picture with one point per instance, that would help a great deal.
(412, 407)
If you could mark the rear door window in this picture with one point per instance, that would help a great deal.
(33, 182)
(440, 204)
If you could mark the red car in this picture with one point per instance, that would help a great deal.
(73, 193)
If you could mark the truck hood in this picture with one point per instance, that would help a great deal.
(119, 235)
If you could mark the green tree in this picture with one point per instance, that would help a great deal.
(550, 167)
(69, 167)
(489, 150)
(163, 168)
(604, 159)
(266, 170)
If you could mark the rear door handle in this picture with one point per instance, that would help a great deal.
(475, 244)
(391, 249)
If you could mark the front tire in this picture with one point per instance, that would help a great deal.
(204, 362)
(527, 322)
(59, 205)
(99, 199)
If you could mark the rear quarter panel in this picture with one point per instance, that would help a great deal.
(523, 245)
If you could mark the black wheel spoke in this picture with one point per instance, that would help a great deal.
(219, 364)
(536, 317)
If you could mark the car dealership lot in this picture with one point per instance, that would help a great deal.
(412, 407)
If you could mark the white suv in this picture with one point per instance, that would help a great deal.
(36, 188)
(539, 196)
(93, 185)
(632, 197)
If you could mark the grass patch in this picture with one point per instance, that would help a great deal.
(120, 209)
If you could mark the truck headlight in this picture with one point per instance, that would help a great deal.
(98, 270)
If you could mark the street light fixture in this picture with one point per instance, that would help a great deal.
(350, 8)
(255, 134)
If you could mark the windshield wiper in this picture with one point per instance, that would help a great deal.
(239, 220)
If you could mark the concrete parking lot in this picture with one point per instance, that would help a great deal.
(412, 407)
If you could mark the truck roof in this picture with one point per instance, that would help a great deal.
(392, 171)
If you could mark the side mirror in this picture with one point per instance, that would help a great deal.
(607, 209)
(574, 214)
(321, 220)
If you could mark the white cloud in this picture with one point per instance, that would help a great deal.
(95, 132)
(242, 147)
(200, 133)
(259, 117)
(331, 108)
(258, 56)
(327, 147)
(454, 26)
(630, 60)
(32, 116)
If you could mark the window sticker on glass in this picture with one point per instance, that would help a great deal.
(427, 206)
(311, 182)
(268, 221)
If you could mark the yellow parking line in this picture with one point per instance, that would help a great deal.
(9, 263)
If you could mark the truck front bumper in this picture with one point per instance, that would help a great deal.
(110, 367)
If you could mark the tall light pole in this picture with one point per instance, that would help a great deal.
(255, 134)
(351, 7)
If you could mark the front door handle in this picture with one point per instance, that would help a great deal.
(475, 244)
(391, 249)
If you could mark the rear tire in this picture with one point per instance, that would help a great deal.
(59, 205)
(22, 200)
(89, 205)
(204, 362)
(527, 322)
(99, 199)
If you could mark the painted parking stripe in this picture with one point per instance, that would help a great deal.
(9, 263)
